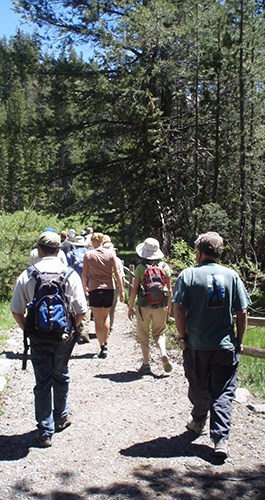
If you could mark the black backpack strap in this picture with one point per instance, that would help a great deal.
(32, 272)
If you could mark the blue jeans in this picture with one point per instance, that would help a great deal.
(50, 364)
(212, 385)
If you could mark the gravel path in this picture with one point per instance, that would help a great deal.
(128, 437)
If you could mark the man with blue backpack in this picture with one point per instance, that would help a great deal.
(53, 298)
(152, 286)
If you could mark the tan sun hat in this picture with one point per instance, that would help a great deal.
(79, 241)
(149, 249)
(49, 239)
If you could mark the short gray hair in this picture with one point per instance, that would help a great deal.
(210, 243)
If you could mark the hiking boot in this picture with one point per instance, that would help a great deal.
(221, 448)
(43, 442)
(166, 364)
(197, 426)
(145, 369)
(84, 339)
(60, 426)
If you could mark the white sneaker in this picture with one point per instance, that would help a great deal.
(197, 426)
(221, 448)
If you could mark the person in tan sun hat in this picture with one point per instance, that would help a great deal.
(151, 312)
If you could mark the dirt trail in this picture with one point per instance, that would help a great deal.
(128, 437)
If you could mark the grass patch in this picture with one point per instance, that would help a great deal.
(251, 373)
(6, 319)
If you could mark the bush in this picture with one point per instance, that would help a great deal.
(18, 234)
(182, 255)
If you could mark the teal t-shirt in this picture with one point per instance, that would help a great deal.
(211, 294)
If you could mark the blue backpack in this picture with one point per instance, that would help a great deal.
(49, 318)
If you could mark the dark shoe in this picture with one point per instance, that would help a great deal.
(197, 426)
(43, 441)
(102, 354)
(60, 426)
(166, 364)
(221, 449)
(84, 339)
(145, 369)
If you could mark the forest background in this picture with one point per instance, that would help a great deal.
(159, 132)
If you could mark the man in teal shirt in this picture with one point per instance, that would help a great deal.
(206, 298)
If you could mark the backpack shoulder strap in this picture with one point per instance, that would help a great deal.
(66, 274)
(33, 272)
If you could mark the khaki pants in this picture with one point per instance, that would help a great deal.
(150, 318)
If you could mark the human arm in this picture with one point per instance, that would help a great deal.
(241, 326)
(134, 291)
(169, 304)
(180, 321)
(85, 273)
(79, 318)
(119, 279)
(20, 319)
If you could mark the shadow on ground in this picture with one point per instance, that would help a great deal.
(148, 482)
(16, 446)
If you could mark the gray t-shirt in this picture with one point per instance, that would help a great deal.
(211, 294)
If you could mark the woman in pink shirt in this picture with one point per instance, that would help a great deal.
(97, 277)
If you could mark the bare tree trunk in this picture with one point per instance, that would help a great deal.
(242, 154)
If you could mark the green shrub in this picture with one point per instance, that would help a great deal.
(18, 234)
(182, 255)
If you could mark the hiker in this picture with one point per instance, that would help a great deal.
(99, 264)
(110, 246)
(34, 254)
(72, 234)
(66, 244)
(75, 259)
(148, 311)
(88, 234)
(49, 358)
(206, 297)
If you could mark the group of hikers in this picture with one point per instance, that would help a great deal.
(50, 301)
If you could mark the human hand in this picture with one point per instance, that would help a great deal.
(130, 313)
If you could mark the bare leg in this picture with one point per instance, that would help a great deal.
(101, 319)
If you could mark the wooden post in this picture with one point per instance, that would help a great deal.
(131, 276)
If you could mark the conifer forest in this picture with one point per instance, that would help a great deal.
(156, 129)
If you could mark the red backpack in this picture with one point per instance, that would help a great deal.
(155, 285)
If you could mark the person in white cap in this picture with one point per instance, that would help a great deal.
(148, 313)
(49, 359)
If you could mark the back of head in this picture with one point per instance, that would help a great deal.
(64, 235)
(210, 243)
(97, 238)
(50, 242)
(106, 239)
